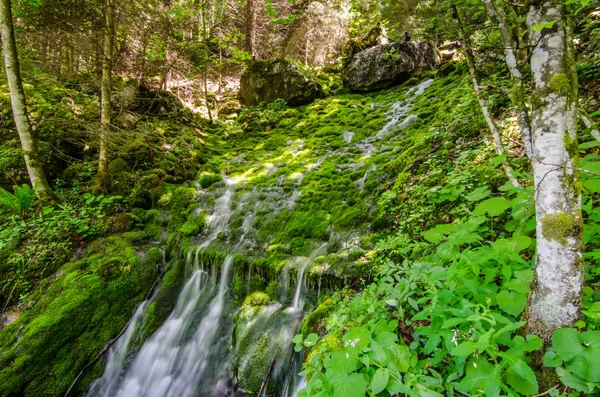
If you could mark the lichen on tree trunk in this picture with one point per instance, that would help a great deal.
(19, 108)
(558, 280)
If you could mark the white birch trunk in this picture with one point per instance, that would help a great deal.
(558, 279)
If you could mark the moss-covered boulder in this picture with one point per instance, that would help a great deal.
(387, 64)
(263, 334)
(267, 81)
(86, 306)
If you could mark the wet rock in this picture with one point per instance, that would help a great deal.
(267, 81)
(387, 64)
(446, 69)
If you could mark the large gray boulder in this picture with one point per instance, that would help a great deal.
(387, 64)
(266, 81)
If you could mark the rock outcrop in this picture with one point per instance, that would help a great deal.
(387, 64)
(267, 81)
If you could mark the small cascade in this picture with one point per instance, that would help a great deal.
(192, 353)
(117, 355)
(361, 182)
(399, 110)
(305, 264)
(348, 135)
(294, 382)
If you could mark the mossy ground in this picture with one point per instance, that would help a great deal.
(348, 196)
(87, 305)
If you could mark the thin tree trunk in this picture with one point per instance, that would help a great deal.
(251, 27)
(556, 290)
(105, 99)
(19, 108)
(516, 76)
(468, 52)
(205, 77)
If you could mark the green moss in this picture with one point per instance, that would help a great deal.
(193, 226)
(166, 298)
(256, 299)
(559, 226)
(86, 306)
(207, 179)
(312, 322)
(560, 83)
(117, 165)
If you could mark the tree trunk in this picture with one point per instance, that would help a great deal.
(105, 98)
(517, 94)
(468, 53)
(206, 59)
(251, 27)
(556, 291)
(17, 96)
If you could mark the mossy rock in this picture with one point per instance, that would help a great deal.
(206, 180)
(87, 305)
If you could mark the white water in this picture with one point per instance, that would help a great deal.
(348, 135)
(361, 182)
(189, 355)
(306, 263)
(117, 355)
(399, 110)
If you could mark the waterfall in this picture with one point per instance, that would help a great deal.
(192, 352)
(117, 355)
(307, 262)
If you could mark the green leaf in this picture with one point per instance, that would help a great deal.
(392, 302)
(509, 327)
(432, 236)
(551, 359)
(575, 382)
(464, 349)
(567, 343)
(341, 363)
(402, 357)
(512, 302)
(479, 194)
(481, 376)
(494, 206)
(519, 375)
(353, 385)
(587, 363)
(357, 338)
(311, 340)
(380, 381)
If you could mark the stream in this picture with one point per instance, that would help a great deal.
(195, 351)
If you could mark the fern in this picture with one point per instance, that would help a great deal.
(19, 202)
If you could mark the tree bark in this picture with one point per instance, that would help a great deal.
(468, 53)
(517, 94)
(556, 292)
(205, 71)
(251, 27)
(19, 108)
(105, 96)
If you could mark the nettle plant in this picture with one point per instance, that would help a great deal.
(444, 316)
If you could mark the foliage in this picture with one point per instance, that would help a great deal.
(33, 247)
(19, 202)
(444, 314)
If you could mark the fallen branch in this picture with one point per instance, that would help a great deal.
(264, 383)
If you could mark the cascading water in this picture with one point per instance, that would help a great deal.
(192, 352)
(175, 360)
(117, 355)
(306, 263)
